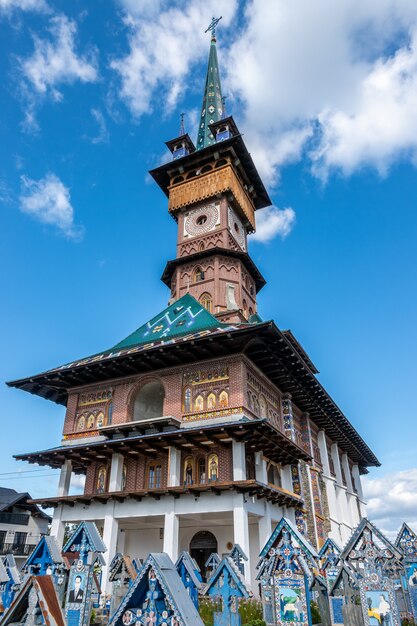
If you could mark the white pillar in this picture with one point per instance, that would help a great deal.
(65, 479)
(330, 485)
(110, 535)
(241, 531)
(358, 484)
(264, 526)
(322, 443)
(342, 505)
(58, 526)
(260, 468)
(116, 472)
(239, 460)
(171, 534)
(346, 469)
(286, 478)
(174, 467)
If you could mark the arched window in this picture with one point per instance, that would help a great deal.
(149, 402)
(201, 246)
(223, 399)
(101, 484)
(109, 412)
(199, 403)
(187, 400)
(245, 309)
(213, 468)
(250, 312)
(262, 406)
(178, 179)
(188, 470)
(90, 421)
(198, 275)
(201, 470)
(211, 401)
(100, 419)
(81, 423)
(206, 301)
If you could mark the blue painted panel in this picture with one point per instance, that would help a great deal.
(337, 605)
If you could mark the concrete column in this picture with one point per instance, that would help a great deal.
(260, 468)
(58, 526)
(322, 443)
(358, 484)
(174, 467)
(286, 478)
(341, 499)
(241, 531)
(239, 460)
(110, 536)
(171, 534)
(116, 472)
(346, 469)
(264, 526)
(65, 479)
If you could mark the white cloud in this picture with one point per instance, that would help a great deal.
(392, 500)
(163, 46)
(24, 5)
(48, 201)
(57, 62)
(103, 134)
(339, 85)
(273, 221)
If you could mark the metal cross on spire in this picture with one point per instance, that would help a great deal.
(212, 26)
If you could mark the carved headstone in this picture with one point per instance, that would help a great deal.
(286, 567)
(157, 597)
(226, 587)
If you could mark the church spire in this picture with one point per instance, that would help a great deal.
(212, 108)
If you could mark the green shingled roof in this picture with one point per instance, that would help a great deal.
(185, 316)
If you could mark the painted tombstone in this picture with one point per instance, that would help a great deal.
(87, 546)
(4, 580)
(286, 569)
(212, 564)
(189, 572)
(238, 557)
(329, 556)
(122, 573)
(10, 586)
(407, 542)
(46, 559)
(36, 604)
(345, 597)
(157, 597)
(320, 594)
(375, 559)
(226, 587)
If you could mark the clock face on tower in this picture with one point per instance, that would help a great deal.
(201, 220)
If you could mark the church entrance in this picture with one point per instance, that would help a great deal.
(202, 545)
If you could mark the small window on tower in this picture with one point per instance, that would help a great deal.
(201, 219)
(198, 274)
(206, 301)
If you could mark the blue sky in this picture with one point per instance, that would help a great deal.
(89, 92)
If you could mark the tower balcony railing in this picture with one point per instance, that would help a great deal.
(23, 549)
